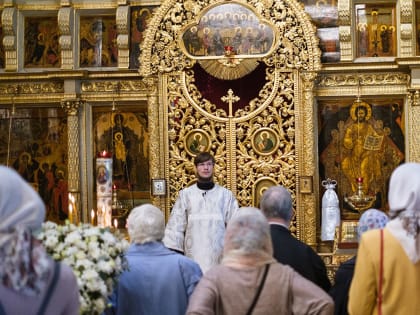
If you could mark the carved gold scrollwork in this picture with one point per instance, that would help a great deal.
(72, 106)
(242, 162)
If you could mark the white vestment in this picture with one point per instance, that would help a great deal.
(197, 223)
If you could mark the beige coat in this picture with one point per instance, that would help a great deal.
(224, 290)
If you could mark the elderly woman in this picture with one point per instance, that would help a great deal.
(388, 260)
(249, 280)
(369, 220)
(159, 281)
(31, 282)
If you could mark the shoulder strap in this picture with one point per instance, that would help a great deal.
(50, 289)
(381, 271)
(2, 311)
(257, 294)
(47, 294)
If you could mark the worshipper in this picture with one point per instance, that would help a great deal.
(197, 223)
(249, 280)
(369, 220)
(31, 281)
(387, 273)
(276, 204)
(159, 281)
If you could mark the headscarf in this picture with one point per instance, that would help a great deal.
(371, 219)
(247, 240)
(23, 260)
(404, 204)
(146, 223)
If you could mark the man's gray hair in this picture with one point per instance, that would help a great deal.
(146, 223)
(248, 232)
(276, 202)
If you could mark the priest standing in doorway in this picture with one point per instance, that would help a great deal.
(197, 223)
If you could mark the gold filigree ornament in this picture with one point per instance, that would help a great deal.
(228, 68)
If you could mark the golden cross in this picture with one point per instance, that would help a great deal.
(230, 99)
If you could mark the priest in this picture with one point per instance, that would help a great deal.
(197, 223)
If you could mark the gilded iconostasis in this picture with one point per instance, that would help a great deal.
(282, 92)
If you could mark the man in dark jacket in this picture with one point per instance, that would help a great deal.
(276, 204)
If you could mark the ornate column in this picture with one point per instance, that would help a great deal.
(157, 161)
(307, 161)
(413, 127)
(71, 106)
(66, 27)
(407, 34)
(344, 30)
(123, 38)
(9, 24)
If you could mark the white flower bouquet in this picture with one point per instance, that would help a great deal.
(94, 254)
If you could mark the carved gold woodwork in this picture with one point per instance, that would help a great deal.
(123, 38)
(284, 108)
(66, 27)
(72, 107)
(9, 25)
(413, 125)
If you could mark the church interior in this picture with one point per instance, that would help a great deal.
(105, 104)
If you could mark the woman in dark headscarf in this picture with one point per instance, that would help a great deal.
(397, 281)
(27, 273)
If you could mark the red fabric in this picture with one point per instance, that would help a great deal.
(247, 87)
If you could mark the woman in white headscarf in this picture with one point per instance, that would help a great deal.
(248, 267)
(30, 281)
(399, 285)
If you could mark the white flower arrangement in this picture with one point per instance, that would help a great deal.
(95, 255)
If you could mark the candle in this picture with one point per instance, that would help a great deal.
(116, 223)
(104, 154)
(70, 213)
(72, 203)
(92, 217)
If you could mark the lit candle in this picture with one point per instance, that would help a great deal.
(70, 213)
(92, 217)
(116, 223)
(72, 203)
(359, 179)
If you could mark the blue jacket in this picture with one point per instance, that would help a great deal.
(159, 281)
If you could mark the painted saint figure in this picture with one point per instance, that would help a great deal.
(364, 145)
(265, 144)
(197, 145)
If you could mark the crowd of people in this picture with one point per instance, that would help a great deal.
(213, 257)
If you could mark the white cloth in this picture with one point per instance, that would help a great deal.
(330, 213)
(404, 204)
(198, 221)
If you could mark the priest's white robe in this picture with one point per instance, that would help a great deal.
(198, 221)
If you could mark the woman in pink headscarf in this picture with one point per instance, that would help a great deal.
(30, 281)
(395, 289)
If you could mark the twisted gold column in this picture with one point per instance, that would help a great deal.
(71, 108)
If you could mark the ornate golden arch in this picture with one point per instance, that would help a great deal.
(284, 104)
